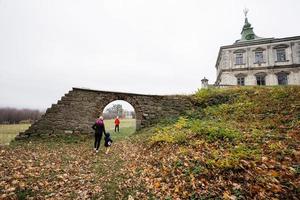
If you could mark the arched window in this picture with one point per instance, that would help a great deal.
(240, 78)
(239, 60)
(280, 52)
(281, 56)
(282, 78)
(259, 55)
(261, 78)
(239, 56)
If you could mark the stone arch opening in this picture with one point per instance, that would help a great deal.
(125, 113)
(132, 100)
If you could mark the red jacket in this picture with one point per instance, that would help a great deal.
(117, 121)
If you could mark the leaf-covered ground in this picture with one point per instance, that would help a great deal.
(238, 143)
(64, 168)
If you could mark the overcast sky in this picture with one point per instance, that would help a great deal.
(150, 47)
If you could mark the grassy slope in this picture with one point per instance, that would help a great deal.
(240, 143)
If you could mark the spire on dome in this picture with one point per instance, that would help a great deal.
(247, 32)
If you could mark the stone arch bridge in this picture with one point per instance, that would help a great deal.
(78, 109)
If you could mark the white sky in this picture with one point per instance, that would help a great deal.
(153, 47)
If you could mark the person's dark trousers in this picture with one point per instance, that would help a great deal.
(98, 137)
(117, 127)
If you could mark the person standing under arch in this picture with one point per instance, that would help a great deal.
(99, 130)
(117, 124)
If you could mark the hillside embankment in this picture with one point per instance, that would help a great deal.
(241, 143)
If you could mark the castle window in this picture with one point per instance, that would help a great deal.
(239, 59)
(259, 57)
(241, 81)
(261, 78)
(282, 78)
(281, 56)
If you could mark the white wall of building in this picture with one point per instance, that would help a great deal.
(227, 69)
(229, 78)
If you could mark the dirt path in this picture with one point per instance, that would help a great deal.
(113, 170)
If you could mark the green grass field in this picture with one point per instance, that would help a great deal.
(127, 128)
(9, 131)
(125, 123)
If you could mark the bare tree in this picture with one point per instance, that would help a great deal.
(13, 115)
(114, 111)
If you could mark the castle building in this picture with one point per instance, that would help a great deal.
(253, 60)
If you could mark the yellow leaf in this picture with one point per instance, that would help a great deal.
(227, 196)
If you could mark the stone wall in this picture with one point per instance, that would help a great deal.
(78, 109)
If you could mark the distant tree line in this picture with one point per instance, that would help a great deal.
(117, 110)
(14, 116)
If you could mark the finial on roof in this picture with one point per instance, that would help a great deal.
(247, 32)
(246, 10)
(204, 79)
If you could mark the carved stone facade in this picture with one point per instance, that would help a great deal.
(259, 61)
(78, 109)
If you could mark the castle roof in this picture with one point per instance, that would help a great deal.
(247, 33)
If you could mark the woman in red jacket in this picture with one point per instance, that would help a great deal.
(117, 124)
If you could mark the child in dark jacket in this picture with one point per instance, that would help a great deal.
(108, 142)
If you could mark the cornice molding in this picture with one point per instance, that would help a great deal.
(259, 49)
(240, 51)
(262, 41)
(281, 46)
